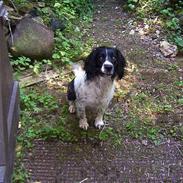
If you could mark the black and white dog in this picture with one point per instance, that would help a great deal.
(93, 86)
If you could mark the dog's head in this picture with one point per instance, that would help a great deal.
(105, 61)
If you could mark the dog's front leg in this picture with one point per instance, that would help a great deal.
(82, 116)
(99, 123)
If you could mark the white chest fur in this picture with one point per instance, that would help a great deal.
(94, 94)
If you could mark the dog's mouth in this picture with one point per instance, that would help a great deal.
(107, 72)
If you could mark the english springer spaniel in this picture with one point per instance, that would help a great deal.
(93, 86)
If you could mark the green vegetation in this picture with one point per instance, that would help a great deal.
(69, 46)
(41, 115)
(33, 104)
(22, 63)
(169, 11)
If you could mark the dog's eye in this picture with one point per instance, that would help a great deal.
(101, 58)
(113, 58)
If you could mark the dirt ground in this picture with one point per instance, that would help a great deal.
(136, 159)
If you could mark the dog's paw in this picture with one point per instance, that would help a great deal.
(99, 124)
(72, 109)
(83, 124)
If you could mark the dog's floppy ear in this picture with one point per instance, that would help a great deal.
(121, 64)
(90, 64)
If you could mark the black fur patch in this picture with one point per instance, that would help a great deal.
(90, 66)
(119, 65)
(71, 94)
(95, 60)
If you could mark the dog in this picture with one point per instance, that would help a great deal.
(93, 86)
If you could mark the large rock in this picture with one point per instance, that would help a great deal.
(32, 39)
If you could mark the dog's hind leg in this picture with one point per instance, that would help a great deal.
(71, 96)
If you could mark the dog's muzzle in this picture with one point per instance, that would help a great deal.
(108, 69)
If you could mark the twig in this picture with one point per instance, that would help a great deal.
(11, 34)
(179, 151)
(168, 170)
(83, 180)
(105, 124)
(32, 79)
(14, 6)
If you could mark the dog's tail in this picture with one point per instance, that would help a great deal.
(77, 69)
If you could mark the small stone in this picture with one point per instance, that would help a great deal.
(146, 27)
(144, 142)
(167, 49)
(132, 32)
(41, 4)
(141, 32)
(157, 32)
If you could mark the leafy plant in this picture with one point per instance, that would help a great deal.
(140, 129)
(173, 24)
(168, 11)
(179, 83)
(35, 102)
(57, 132)
(180, 101)
(67, 48)
(132, 4)
(19, 174)
(105, 134)
(112, 135)
(178, 40)
(21, 63)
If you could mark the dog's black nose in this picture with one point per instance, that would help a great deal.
(108, 67)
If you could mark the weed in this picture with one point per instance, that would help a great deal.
(67, 49)
(176, 132)
(142, 129)
(57, 132)
(179, 83)
(112, 135)
(173, 24)
(105, 134)
(19, 174)
(180, 101)
(172, 67)
(37, 103)
(68, 43)
(21, 63)
(164, 108)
